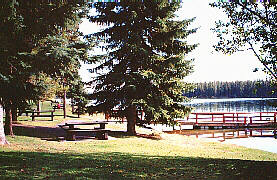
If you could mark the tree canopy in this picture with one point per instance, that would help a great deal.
(144, 61)
(249, 26)
(37, 37)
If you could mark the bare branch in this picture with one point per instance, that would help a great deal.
(265, 65)
(257, 14)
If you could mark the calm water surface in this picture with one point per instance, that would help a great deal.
(263, 139)
(233, 105)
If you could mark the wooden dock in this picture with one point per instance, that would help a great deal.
(224, 134)
(229, 120)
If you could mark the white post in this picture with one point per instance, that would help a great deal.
(2, 132)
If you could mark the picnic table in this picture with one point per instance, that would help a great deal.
(26, 112)
(73, 128)
(41, 114)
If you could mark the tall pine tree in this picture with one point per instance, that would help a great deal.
(145, 61)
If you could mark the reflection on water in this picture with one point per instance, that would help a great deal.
(233, 105)
(224, 134)
(263, 138)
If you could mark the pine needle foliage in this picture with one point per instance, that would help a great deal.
(145, 62)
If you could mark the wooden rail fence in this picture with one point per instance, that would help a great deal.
(230, 119)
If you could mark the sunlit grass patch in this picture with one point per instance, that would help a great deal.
(171, 156)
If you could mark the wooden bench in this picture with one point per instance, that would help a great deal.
(38, 114)
(100, 132)
(26, 112)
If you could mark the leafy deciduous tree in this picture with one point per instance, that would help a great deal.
(250, 26)
(32, 43)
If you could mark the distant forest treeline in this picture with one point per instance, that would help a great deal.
(237, 89)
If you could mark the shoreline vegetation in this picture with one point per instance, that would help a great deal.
(149, 155)
(235, 89)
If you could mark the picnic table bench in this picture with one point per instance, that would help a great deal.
(60, 106)
(26, 112)
(38, 114)
(71, 130)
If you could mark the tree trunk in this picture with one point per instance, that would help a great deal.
(2, 132)
(72, 108)
(64, 104)
(79, 110)
(14, 113)
(131, 120)
(38, 108)
(8, 121)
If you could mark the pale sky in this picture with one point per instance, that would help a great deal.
(208, 66)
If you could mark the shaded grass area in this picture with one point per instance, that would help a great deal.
(133, 158)
(30, 156)
(58, 118)
(46, 106)
(41, 165)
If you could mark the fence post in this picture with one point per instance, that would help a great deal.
(52, 115)
(107, 116)
(33, 116)
(275, 119)
(196, 118)
(244, 120)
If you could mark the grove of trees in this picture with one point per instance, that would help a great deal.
(143, 68)
(143, 63)
(236, 89)
(37, 37)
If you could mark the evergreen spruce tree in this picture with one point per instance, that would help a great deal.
(145, 61)
(33, 42)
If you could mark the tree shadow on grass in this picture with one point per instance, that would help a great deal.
(38, 131)
(58, 134)
(124, 134)
(71, 116)
(32, 165)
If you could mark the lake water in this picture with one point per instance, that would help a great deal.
(233, 105)
(263, 139)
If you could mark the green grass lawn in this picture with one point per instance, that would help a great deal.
(58, 116)
(131, 157)
(173, 157)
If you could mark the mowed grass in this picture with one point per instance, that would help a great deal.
(58, 116)
(173, 157)
(131, 157)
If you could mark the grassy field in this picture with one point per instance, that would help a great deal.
(169, 156)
